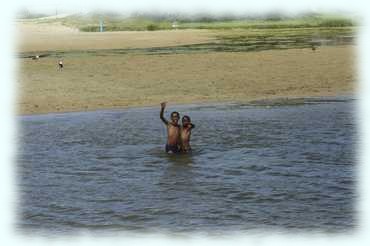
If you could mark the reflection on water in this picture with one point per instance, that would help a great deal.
(256, 166)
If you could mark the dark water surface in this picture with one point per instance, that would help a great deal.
(276, 166)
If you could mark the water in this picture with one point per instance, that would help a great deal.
(254, 167)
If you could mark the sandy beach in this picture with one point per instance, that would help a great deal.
(105, 81)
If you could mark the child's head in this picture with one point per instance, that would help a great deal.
(175, 116)
(186, 120)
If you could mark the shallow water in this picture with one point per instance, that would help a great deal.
(281, 167)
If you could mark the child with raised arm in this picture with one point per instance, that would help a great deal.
(185, 133)
(173, 130)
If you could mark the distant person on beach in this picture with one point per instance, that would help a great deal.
(173, 130)
(185, 133)
(60, 65)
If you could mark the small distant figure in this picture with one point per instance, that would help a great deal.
(36, 57)
(313, 47)
(173, 130)
(60, 65)
(185, 133)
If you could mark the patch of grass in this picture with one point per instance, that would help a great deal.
(152, 27)
(284, 33)
(90, 23)
(271, 24)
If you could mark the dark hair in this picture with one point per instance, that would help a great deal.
(175, 112)
(186, 117)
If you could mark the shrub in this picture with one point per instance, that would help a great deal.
(152, 27)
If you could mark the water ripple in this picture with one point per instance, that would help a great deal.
(286, 167)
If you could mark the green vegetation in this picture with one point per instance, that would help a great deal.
(270, 24)
(288, 35)
(116, 22)
(230, 34)
(118, 25)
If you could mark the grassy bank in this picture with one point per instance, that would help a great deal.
(91, 22)
(225, 34)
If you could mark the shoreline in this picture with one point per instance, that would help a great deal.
(262, 102)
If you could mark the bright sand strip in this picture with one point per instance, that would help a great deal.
(51, 37)
(115, 81)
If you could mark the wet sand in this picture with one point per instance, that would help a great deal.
(91, 82)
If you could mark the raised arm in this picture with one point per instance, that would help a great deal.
(163, 106)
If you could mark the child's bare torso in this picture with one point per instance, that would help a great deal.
(173, 132)
(185, 134)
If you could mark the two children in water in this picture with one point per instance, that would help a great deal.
(178, 140)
